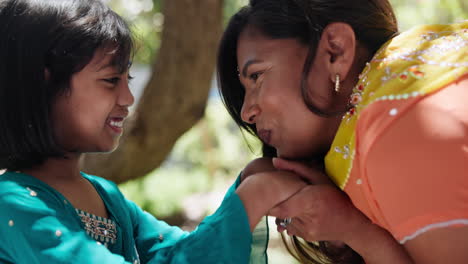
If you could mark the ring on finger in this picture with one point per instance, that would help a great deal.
(285, 222)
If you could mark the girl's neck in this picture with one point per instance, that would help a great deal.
(57, 170)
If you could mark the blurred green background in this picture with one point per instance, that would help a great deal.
(206, 160)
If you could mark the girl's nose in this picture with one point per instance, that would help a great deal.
(126, 97)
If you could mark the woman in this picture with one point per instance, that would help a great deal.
(333, 81)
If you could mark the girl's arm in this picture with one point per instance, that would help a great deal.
(262, 191)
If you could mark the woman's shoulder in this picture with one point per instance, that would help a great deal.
(421, 34)
(443, 111)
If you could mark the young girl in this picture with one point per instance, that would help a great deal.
(64, 92)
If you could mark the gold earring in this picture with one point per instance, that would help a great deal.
(337, 83)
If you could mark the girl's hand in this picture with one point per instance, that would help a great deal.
(313, 174)
(264, 190)
(257, 166)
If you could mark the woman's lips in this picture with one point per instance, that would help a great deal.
(265, 136)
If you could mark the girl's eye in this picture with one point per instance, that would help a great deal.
(112, 80)
(116, 80)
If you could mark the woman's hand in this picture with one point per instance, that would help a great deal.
(322, 212)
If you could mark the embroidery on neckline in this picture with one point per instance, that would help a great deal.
(101, 229)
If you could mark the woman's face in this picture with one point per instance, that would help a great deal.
(270, 71)
(89, 117)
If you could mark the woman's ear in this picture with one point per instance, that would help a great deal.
(338, 46)
(46, 74)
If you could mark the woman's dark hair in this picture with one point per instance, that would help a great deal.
(42, 44)
(373, 22)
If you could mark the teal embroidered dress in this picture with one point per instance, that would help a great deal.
(39, 225)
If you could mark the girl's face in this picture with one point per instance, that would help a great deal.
(270, 71)
(90, 116)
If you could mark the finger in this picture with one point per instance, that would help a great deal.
(292, 228)
(299, 228)
(279, 227)
(313, 176)
(295, 205)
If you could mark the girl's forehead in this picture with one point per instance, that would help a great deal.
(105, 60)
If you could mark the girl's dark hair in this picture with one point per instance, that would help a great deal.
(373, 22)
(42, 44)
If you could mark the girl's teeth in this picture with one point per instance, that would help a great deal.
(116, 124)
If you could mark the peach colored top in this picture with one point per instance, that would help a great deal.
(402, 153)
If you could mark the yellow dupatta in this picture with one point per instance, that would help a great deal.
(415, 63)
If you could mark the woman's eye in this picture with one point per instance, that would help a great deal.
(254, 76)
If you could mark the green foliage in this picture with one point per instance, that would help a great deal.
(411, 12)
(232, 6)
(147, 21)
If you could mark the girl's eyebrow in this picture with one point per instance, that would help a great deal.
(247, 65)
(109, 65)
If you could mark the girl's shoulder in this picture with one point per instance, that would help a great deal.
(101, 183)
(22, 192)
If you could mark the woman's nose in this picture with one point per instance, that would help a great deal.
(250, 112)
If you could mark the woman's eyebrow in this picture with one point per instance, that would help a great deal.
(247, 65)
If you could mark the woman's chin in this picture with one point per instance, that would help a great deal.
(299, 156)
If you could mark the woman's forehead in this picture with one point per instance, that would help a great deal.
(258, 46)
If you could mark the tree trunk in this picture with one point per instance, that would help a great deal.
(175, 97)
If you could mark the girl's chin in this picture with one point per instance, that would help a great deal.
(106, 148)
